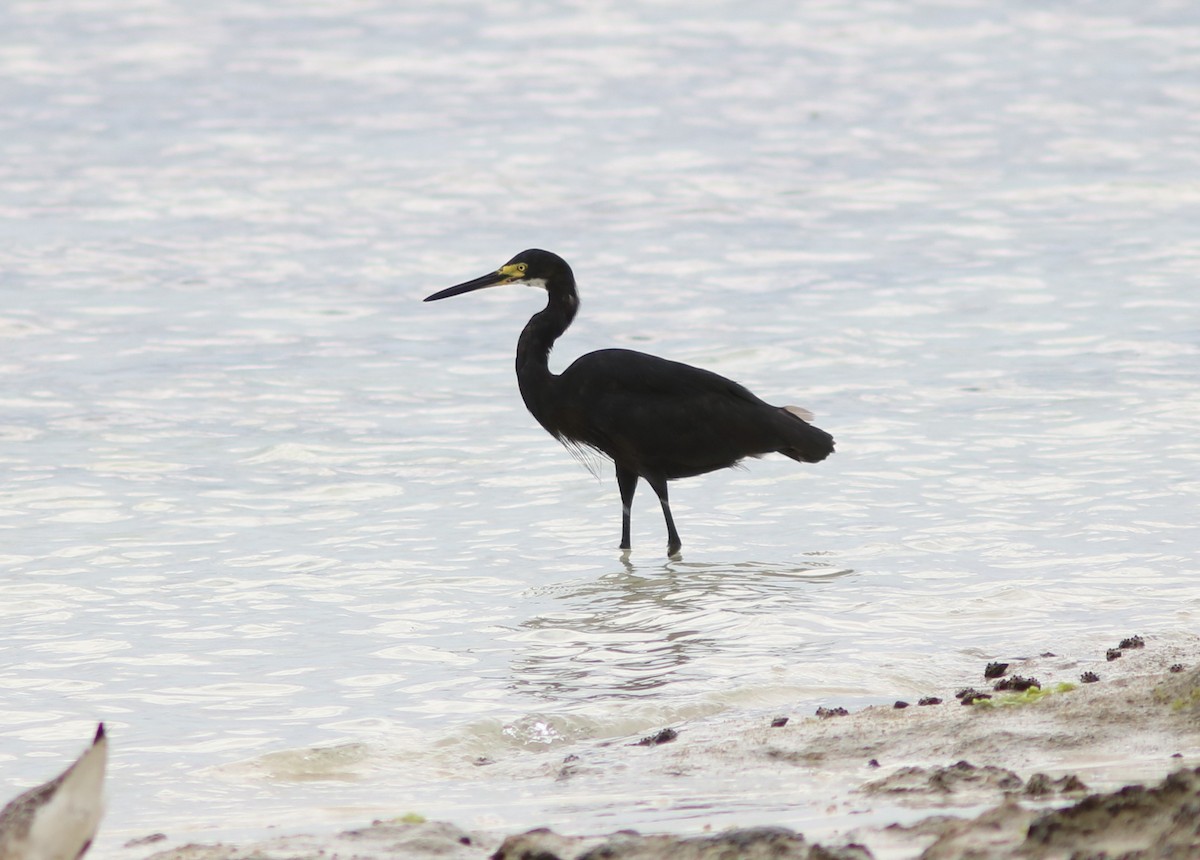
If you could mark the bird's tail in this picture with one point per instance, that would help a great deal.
(83, 782)
(805, 443)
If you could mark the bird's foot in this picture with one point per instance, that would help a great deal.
(673, 550)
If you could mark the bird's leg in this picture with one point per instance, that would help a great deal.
(627, 482)
(659, 485)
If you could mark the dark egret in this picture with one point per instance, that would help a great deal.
(655, 419)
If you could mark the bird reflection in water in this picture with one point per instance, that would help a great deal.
(633, 631)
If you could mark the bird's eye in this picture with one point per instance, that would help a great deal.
(521, 267)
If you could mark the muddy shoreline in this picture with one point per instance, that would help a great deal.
(1035, 771)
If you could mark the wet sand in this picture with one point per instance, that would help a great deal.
(1104, 768)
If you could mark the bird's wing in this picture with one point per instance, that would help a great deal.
(638, 374)
(58, 818)
(653, 414)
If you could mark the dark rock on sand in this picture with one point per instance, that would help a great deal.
(1017, 683)
(663, 737)
(826, 713)
(970, 696)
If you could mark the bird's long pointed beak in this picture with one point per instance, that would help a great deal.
(492, 279)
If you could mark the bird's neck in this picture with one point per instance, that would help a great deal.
(533, 352)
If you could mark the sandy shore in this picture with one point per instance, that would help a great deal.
(1105, 768)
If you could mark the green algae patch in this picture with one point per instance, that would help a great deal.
(1180, 692)
(409, 818)
(1191, 700)
(1026, 697)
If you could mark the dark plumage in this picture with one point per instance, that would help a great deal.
(655, 419)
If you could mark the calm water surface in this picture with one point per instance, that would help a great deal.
(291, 533)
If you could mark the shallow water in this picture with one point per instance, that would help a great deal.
(292, 535)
